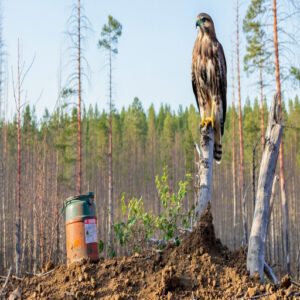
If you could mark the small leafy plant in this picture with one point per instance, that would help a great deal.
(140, 226)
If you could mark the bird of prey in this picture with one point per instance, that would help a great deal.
(209, 80)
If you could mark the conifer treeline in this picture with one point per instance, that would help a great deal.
(144, 142)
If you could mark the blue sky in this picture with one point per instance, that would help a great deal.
(154, 60)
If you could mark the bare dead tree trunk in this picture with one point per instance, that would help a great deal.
(110, 160)
(3, 190)
(17, 90)
(271, 219)
(18, 200)
(284, 204)
(233, 158)
(35, 238)
(256, 248)
(276, 178)
(206, 169)
(57, 211)
(24, 244)
(241, 139)
(298, 266)
(79, 134)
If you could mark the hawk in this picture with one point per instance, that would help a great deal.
(209, 80)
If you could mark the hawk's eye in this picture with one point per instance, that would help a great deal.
(204, 20)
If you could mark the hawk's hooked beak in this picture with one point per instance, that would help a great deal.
(199, 23)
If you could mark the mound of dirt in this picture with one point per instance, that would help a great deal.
(199, 268)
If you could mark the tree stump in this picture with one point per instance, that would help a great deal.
(256, 248)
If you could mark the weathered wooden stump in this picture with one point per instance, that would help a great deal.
(256, 249)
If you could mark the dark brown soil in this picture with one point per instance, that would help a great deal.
(199, 268)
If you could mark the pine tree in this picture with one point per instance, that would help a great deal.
(257, 56)
(79, 25)
(295, 73)
(281, 153)
(110, 35)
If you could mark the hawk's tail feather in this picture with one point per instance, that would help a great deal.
(218, 152)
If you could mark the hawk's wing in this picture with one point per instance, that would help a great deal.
(195, 88)
(222, 82)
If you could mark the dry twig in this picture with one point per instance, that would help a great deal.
(6, 281)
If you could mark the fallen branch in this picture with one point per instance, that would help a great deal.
(270, 274)
(12, 276)
(41, 274)
(295, 283)
(6, 281)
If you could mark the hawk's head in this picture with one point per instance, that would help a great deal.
(206, 24)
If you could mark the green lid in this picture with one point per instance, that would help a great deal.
(79, 206)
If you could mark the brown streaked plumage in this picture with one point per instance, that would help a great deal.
(209, 79)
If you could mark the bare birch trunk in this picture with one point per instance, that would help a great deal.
(241, 139)
(206, 169)
(256, 249)
(284, 204)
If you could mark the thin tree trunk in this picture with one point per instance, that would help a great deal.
(110, 161)
(57, 211)
(3, 190)
(241, 139)
(233, 159)
(35, 238)
(253, 177)
(298, 265)
(18, 200)
(79, 134)
(271, 220)
(256, 249)
(272, 198)
(284, 204)
(34, 215)
(41, 202)
(25, 239)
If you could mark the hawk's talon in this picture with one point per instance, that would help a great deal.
(208, 121)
